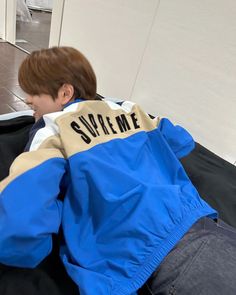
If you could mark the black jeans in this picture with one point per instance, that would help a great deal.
(203, 262)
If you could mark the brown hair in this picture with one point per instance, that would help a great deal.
(45, 71)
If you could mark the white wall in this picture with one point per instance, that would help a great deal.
(2, 18)
(188, 71)
(10, 21)
(112, 34)
(56, 23)
(176, 58)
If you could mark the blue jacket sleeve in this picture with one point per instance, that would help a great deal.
(29, 209)
(179, 140)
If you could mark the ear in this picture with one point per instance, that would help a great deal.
(65, 93)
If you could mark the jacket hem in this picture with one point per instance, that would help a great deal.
(159, 253)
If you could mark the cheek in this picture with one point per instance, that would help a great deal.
(54, 107)
(58, 105)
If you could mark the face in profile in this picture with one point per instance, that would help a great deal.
(43, 104)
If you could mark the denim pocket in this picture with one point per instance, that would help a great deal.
(182, 282)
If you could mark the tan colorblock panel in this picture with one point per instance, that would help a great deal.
(95, 122)
(27, 161)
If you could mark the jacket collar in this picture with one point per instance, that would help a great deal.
(74, 101)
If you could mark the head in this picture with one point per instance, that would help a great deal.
(55, 76)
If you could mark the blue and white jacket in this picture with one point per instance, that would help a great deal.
(127, 201)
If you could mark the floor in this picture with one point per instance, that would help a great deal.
(11, 95)
(30, 36)
(34, 35)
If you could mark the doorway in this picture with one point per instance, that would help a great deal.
(33, 22)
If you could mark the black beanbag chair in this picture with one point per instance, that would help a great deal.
(215, 180)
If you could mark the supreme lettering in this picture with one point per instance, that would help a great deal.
(93, 125)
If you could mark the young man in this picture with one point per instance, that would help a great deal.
(129, 214)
